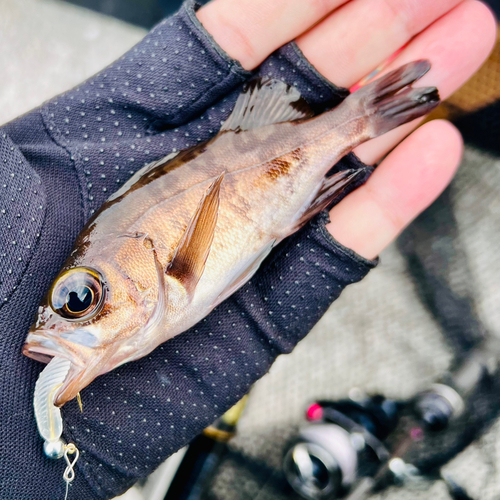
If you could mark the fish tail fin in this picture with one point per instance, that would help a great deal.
(391, 101)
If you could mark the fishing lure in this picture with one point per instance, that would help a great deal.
(48, 416)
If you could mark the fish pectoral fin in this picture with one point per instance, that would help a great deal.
(265, 101)
(192, 252)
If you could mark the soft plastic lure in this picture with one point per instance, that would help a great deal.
(48, 416)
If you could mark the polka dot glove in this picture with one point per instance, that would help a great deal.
(58, 165)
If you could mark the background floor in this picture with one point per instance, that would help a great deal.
(140, 12)
(393, 345)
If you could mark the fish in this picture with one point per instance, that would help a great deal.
(187, 231)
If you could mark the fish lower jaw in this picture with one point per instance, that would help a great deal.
(41, 355)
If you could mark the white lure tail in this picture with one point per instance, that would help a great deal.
(48, 416)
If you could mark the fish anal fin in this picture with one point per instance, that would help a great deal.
(332, 187)
(265, 101)
(191, 254)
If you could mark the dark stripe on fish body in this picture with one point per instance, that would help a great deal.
(181, 159)
(283, 165)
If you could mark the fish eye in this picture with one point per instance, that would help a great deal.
(77, 294)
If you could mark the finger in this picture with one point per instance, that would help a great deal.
(457, 45)
(250, 30)
(355, 39)
(401, 187)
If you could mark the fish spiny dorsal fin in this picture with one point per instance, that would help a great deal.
(140, 174)
(265, 101)
(193, 249)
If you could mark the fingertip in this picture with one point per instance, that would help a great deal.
(450, 144)
(470, 31)
(446, 129)
(457, 45)
(431, 156)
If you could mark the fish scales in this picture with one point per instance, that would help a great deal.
(248, 187)
(170, 200)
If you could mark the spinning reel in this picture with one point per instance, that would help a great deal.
(355, 447)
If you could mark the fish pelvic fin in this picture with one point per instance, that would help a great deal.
(391, 101)
(191, 254)
(246, 274)
(265, 101)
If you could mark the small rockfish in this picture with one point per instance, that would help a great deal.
(186, 232)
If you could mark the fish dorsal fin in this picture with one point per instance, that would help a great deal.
(265, 101)
(140, 174)
(193, 249)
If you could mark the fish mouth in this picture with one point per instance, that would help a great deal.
(42, 346)
(76, 380)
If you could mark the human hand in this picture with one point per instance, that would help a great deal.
(194, 377)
